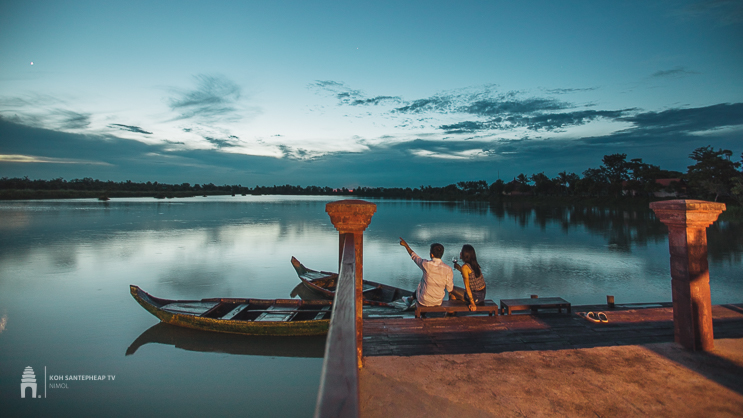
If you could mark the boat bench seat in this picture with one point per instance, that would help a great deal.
(533, 304)
(457, 306)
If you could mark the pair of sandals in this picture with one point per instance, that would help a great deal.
(594, 317)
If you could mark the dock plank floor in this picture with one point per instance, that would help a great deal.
(542, 331)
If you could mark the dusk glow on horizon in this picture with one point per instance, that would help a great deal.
(379, 94)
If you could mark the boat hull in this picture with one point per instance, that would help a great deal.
(322, 284)
(191, 316)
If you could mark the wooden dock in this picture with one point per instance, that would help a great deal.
(628, 325)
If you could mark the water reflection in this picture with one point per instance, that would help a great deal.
(72, 258)
(301, 291)
(621, 228)
(210, 342)
(725, 242)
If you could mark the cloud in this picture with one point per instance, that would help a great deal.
(675, 121)
(351, 97)
(437, 157)
(129, 128)
(231, 141)
(41, 110)
(375, 101)
(440, 104)
(466, 127)
(16, 158)
(726, 12)
(675, 72)
(57, 118)
(51, 154)
(482, 103)
(68, 119)
(671, 121)
(328, 85)
(338, 89)
(214, 98)
(569, 90)
(295, 153)
(508, 105)
(492, 110)
(539, 122)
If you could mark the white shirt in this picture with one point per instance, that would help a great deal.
(437, 277)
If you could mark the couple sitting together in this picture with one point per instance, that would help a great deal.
(439, 277)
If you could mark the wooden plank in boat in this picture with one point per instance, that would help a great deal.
(191, 308)
(281, 315)
(322, 312)
(231, 314)
(368, 287)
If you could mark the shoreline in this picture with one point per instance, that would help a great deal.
(732, 213)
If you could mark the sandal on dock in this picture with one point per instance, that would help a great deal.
(602, 317)
(590, 316)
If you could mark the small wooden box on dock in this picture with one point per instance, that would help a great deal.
(509, 305)
(457, 306)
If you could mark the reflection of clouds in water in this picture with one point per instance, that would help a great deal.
(14, 220)
(183, 278)
(245, 244)
(510, 259)
(240, 260)
(64, 257)
(582, 275)
(453, 233)
(3, 323)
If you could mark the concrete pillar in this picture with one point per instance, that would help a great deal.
(687, 222)
(350, 218)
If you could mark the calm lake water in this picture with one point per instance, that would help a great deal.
(65, 307)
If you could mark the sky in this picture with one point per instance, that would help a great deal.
(376, 94)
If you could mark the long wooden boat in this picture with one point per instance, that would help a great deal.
(241, 316)
(323, 284)
(307, 346)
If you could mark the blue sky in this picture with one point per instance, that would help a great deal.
(362, 93)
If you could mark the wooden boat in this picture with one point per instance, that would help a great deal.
(307, 346)
(323, 283)
(241, 316)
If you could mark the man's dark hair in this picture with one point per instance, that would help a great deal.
(437, 250)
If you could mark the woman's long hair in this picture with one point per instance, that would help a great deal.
(469, 257)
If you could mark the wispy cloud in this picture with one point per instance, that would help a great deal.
(569, 90)
(438, 104)
(349, 96)
(484, 111)
(68, 119)
(17, 158)
(727, 12)
(663, 137)
(215, 98)
(548, 122)
(508, 104)
(674, 72)
(129, 128)
(43, 111)
(678, 121)
(229, 142)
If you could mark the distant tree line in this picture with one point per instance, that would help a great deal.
(713, 176)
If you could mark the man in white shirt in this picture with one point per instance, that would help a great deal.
(437, 276)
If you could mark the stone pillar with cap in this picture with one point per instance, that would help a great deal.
(351, 217)
(687, 222)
